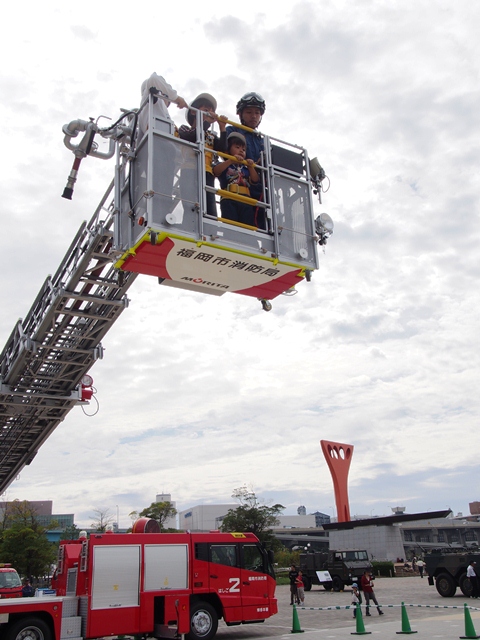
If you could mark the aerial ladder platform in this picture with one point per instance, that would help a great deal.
(144, 225)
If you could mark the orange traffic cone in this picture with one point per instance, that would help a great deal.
(469, 628)
(360, 627)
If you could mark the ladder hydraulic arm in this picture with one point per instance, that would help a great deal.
(48, 353)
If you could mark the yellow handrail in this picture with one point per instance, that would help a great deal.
(238, 224)
(242, 126)
(236, 196)
(234, 159)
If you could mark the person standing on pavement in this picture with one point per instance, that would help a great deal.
(421, 567)
(367, 588)
(292, 575)
(356, 598)
(414, 563)
(472, 576)
(300, 589)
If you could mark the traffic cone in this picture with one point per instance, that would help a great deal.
(296, 622)
(405, 622)
(469, 628)
(360, 627)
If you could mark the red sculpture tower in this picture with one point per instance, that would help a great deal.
(338, 457)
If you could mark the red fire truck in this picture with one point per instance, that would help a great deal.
(10, 583)
(149, 584)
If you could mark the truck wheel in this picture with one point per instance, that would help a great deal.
(337, 583)
(28, 629)
(203, 622)
(307, 583)
(465, 585)
(445, 584)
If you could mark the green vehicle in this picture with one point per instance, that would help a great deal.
(345, 567)
(447, 570)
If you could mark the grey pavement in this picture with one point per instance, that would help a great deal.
(437, 617)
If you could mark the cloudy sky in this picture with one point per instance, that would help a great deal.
(200, 395)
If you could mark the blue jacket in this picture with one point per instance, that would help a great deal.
(254, 142)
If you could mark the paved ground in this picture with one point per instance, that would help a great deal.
(447, 621)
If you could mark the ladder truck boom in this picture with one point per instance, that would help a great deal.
(156, 223)
(49, 352)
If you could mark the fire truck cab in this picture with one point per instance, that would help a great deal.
(149, 584)
(10, 583)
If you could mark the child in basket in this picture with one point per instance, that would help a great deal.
(239, 179)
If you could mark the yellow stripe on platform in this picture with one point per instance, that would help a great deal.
(161, 236)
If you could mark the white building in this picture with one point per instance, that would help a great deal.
(203, 517)
(171, 523)
(300, 521)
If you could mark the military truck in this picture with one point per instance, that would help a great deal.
(345, 567)
(447, 569)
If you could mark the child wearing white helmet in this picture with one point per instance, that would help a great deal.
(206, 103)
(356, 598)
(238, 179)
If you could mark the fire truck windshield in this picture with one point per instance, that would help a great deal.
(9, 578)
(249, 556)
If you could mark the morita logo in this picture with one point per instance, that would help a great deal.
(207, 283)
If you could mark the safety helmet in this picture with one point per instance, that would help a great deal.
(236, 135)
(251, 99)
(199, 100)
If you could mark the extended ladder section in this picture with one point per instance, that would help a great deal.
(48, 353)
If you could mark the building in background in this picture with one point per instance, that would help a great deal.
(321, 518)
(302, 522)
(43, 513)
(203, 517)
(171, 523)
(54, 523)
(474, 508)
(40, 507)
(405, 535)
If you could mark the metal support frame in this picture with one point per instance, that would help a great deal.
(49, 352)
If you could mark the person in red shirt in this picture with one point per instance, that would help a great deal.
(300, 589)
(367, 588)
